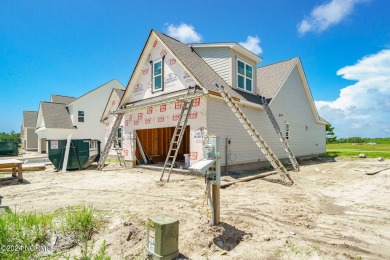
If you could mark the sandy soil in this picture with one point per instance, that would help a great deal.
(333, 211)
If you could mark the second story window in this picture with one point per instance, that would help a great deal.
(80, 116)
(157, 76)
(287, 131)
(244, 76)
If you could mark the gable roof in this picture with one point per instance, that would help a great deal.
(101, 86)
(61, 99)
(270, 78)
(30, 118)
(202, 73)
(55, 115)
(106, 112)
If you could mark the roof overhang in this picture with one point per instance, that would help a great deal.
(232, 45)
(165, 99)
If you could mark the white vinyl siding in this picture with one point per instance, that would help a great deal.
(222, 122)
(306, 137)
(219, 59)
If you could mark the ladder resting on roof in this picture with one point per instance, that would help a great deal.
(257, 138)
(283, 140)
(178, 134)
(110, 141)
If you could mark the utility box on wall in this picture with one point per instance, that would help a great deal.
(162, 237)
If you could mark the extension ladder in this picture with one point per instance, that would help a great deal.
(283, 140)
(177, 137)
(260, 142)
(118, 150)
(110, 141)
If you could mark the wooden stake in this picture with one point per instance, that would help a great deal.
(216, 203)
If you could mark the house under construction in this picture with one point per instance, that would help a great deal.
(185, 89)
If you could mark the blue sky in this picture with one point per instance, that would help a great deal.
(69, 47)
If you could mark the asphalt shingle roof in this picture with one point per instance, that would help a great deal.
(56, 115)
(62, 99)
(30, 118)
(203, 73)
(271, 77)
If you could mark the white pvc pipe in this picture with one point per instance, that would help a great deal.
(67, 148)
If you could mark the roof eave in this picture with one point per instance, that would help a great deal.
(232, 45)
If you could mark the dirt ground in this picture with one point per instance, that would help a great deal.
(333, 211)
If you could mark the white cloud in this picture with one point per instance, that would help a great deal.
(184, 32)
(252, 44)
(328, 14)
(362, 109)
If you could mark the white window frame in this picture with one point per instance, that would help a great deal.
(119, 139)
(78, 116)
(154, 76)
(92, 145)
(245, 77)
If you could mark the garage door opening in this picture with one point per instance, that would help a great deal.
(155, 143)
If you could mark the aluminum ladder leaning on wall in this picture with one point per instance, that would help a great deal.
(283, 140)
(178, 134)
(119, 153)
(260, 142)
(110, 141)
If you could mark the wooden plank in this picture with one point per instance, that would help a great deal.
(249, 178)
(216, 203)
(219, 95)
(155, 141)
(14, 165)
(373, 172)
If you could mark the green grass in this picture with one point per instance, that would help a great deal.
(81, 220)
(350, 150)
(22, 232)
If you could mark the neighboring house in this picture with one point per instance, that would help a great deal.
(61, 99)
(27, 134)
(167, 67)
(77, 116)
(108, 118)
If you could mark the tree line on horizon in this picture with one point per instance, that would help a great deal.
(331, 138)
(10, 137)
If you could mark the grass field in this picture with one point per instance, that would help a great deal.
(353, 150)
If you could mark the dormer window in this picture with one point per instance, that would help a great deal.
(244, 76)
(157, 76)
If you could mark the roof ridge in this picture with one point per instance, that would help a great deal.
(277, 62)
(56, 103)
(62, 96)
(168, 36)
